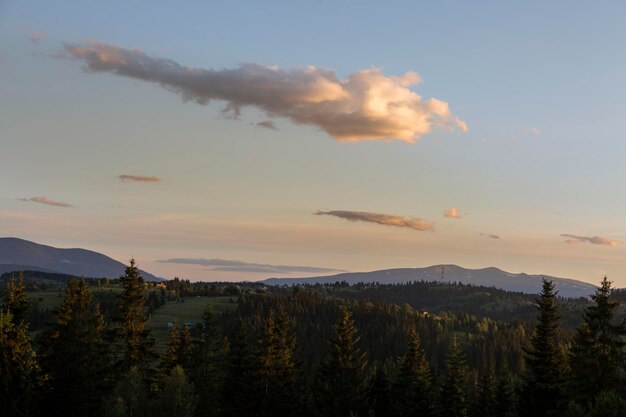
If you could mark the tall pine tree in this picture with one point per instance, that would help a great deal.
(597, 355)
(75, 354)
(135, 343)
(340, 383)
(544, 385)
(453, 401)
(412, 389)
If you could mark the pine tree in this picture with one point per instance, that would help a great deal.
(413, 386)
(340, 383)
(204, 367)
(170, 358)
(19, 370)
(453, 400)
(75, 355)
(239, 380)
(177, 397)
(16, 300)
(129, 398)
(276, 372)
(597, 353)
(135, 342)
(379, 397)
(485, 401)
(544, 385)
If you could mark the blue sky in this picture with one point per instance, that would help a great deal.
(540, 87)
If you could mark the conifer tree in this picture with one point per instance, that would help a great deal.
(177, 397)
(129, 398)
(135, 342)
(379, 397)
(453, 400)
(16, 300)
(413, 386)
(75, 355)
(485, 400)
(170, 357)
(276, 372)
(597, 355)
(204, 367)
(239, 376)
(19, 370)
(340, 383)
(544, 385)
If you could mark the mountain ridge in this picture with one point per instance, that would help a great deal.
(487, 277)
(19, 254)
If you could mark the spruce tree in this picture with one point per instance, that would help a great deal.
(379, 396)
(340, 383)
(16, 300)
(544, 385)
(177, 398)
(597, 355)
(276, 372)
(453, 401)
(135, 343)
(20, 380)
(485, 401)
(239, 380)
(413, 386)
(204, 368)
(75, 354)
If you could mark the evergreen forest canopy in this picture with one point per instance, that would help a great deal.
(416, 349)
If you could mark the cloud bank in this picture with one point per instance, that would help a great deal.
(367, 105)
(138, 178)
(379, 218)
(46, 200)
(453, 213)
(225, 265)
(595, 240)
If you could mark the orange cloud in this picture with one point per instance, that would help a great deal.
(379, 218)
(46, 200)
(452, 213)
(138, 178)
(595, 240)
(367, 105)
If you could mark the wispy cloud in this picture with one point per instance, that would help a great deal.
(367, 105)
(490, 236)
(138, 178)
(532, 131)
(225, 265)
(595, 240)
(36, 37)
(267, 124)
(452, 213)
(46, 200)
(379, 218)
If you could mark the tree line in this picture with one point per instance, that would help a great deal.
(297, 353)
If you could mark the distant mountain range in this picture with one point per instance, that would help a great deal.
(23, 255)
(486, 277)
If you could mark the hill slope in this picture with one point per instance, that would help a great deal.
(487, 277)
(19, 254)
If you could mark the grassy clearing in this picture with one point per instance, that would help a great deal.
(52, 298)
(191, 309)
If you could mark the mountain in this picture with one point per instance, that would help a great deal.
(21, 255)
(486, 277)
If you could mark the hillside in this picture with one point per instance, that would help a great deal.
(19, 255)
(486, 277)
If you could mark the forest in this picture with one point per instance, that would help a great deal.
(367, 350)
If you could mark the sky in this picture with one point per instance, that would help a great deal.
(245, 140)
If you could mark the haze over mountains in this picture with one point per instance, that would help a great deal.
(488, 277)
(23, 255)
